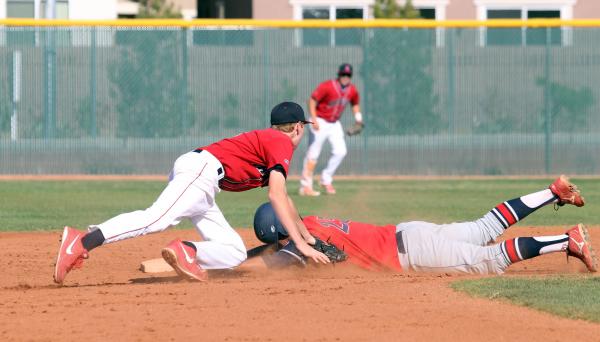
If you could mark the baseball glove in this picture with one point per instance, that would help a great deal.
(355, 129)
(332, 252)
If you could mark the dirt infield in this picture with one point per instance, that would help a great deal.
(109, 299)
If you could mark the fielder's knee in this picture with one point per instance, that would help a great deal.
(340, 153)
(313, 154)
(237, 251)
(238, 255)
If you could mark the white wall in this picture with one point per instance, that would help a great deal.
(2, 16)
(83, 9)
(2, 9)
(92, 9)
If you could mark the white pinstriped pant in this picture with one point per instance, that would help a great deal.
(190, 194)
(333, 132)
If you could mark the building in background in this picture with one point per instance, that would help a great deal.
(284, 9)
(309, 9)
(86, 9)
(65, 9)
(429, 9)
(233, 9)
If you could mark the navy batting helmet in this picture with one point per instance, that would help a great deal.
(267, 227)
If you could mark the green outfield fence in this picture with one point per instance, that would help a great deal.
(439, 98)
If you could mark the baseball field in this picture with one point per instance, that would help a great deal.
(545, 298)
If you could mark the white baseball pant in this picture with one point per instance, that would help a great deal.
(453, 248)
(191, 191)
(333, 132)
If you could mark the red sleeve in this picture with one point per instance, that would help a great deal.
(355, 98)
(278, 155)
(319, 93)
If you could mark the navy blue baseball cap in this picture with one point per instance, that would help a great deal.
(267, 227)
(287, 112)
(345, 70)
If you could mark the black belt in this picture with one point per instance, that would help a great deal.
(219, 170)
(400, 243)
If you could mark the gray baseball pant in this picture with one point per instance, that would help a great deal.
(453, 248)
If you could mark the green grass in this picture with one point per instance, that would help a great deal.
(572, 297)
(45, 205)
(42, 205)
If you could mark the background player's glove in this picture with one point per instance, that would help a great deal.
(355, 129)
(332, 252)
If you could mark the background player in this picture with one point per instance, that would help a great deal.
(326, 105)
(246, 161)
(423, 246)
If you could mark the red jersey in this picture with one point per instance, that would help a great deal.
(368, 246)
(248, 158)
(331, 99)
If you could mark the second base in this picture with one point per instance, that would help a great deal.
(158, 265)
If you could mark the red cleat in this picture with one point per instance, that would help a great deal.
(183, 260)
(580, 247)
(329, 189)
(566, 192)
(70, 254)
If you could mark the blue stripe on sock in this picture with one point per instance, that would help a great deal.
(499, 219)
(520, 208)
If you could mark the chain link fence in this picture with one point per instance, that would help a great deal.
(439, 101)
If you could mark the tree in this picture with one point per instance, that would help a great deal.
(148, 79)
(231, 109)
(157, 9)
(399, 88)
(286, 91)
(391, 9)
(5, 110)
(148, 85)
(568, 106)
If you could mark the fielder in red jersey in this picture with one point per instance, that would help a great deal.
(246, 161)
(326, 104)
(331, 98)
(249, 158)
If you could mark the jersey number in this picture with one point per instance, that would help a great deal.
(344, 226)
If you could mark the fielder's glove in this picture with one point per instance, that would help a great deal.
(332, 252)
(355, 129)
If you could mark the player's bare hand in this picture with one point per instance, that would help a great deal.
(310, 240)
(315, 125)
(315, 255)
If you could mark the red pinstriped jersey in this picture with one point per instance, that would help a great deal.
(368, 246)
(331, 99)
